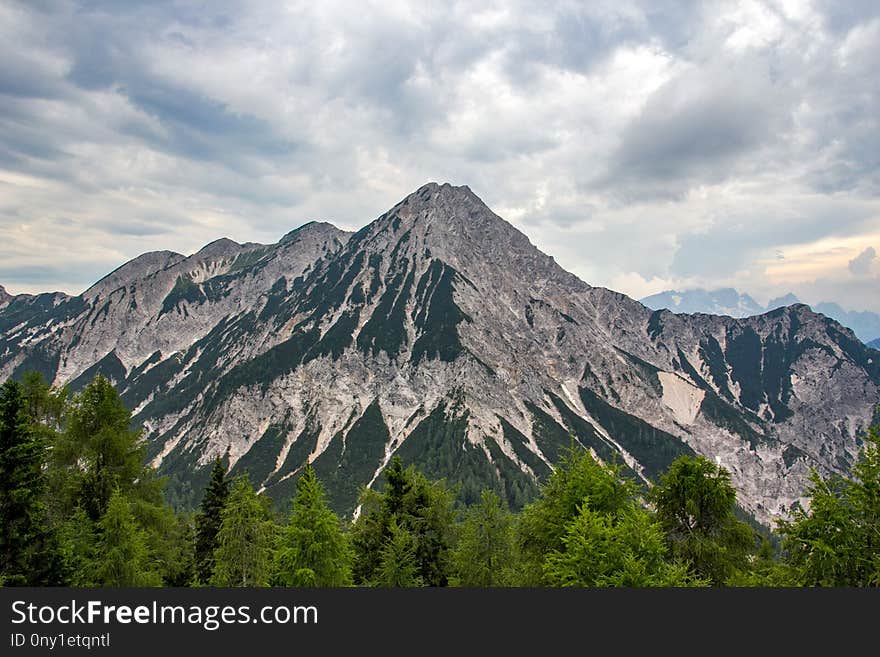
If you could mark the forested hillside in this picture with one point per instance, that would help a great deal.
(79, 507)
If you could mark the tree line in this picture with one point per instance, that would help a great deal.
(79, 506)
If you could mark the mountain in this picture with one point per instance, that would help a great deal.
(440, 333)
(875, 344)
(727, 301)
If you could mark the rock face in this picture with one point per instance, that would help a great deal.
(440, 333)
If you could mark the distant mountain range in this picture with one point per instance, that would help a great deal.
(439, 333)
(874, 343)
(728, 301)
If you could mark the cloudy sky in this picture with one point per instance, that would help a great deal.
(645, 145)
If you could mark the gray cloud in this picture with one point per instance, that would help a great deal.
(861, 264)
(733, 240)
(665, 141)
(692, 131)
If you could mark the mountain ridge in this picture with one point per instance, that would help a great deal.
(728, 301)
(439, 332)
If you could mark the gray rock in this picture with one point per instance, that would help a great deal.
(439, 332)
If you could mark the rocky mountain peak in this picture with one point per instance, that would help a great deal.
(453, 224)
(136, 269)
(221, 247)
(439, 332)
(314, 231)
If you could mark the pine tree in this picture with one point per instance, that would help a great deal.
(420, 507)
(625, 548)
(313, 551)
(398, 563)
(29, 553)
(578, 479)
(121, 557)
(695, 505)
(245, 541)
(208, 522)
(484, 551)
(837, 541)
(78, 538)
(98, 453)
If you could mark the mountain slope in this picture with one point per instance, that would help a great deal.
(439, 332)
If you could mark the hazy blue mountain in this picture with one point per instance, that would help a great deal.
(865, 324)
(440, 333)
(725, 301)
(874, 344)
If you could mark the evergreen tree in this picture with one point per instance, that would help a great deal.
(765, 570)
(78, 537)
(313, 551)
(169, 541)
(420, 507)
(398, 563)
(121, 556)
(625, 548)
(246, 539)
(695, 505)
(98, 453)
(837, 541)
(484, 552)
(208, 521)
(46, 406)
(543, 524)
(29, 554)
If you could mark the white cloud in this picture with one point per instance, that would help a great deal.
(644, 144)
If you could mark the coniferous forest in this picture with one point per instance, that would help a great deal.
(79, 506)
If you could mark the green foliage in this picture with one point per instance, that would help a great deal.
(121, 554)
(170, 539)
(208, 522)
(765, 570)
(28, 549)
(653, 448)
(544, 523)
(415, 505)
(98, 453)
(695, 505)
(485, 549)
(246, 539)
(78, 506)
(837, 541)
(398, 560)
(313, 549)
(624, 548)
(438, 447)
(78, 536)
(439, 316)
